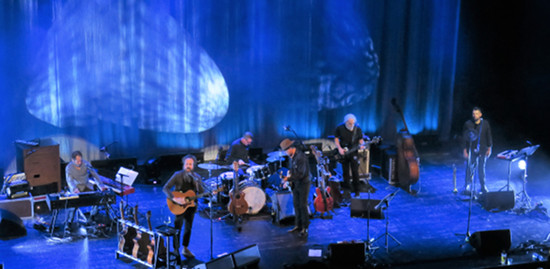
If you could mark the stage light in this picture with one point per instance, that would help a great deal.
(522, 164)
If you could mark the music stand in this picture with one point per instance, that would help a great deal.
(385, 205)
(522, 196)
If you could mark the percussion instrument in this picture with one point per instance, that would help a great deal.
(254, 196)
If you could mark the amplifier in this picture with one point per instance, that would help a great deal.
(22, 207)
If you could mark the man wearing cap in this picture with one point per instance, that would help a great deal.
(299, 178)
(239, 149)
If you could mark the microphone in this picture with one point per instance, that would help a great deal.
(529, 143)
(286, 127)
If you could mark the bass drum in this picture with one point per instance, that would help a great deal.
(253, 195)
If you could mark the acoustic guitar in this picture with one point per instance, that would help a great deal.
(128, 234)
(237, 204)
(186, 200)
(151, 245)
(140, 241)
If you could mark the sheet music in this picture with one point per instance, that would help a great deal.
(128, 176)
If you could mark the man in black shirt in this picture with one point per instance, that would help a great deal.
(348, 139)
(239, 150)
(477, 146)
(183, 181)
(298, 176)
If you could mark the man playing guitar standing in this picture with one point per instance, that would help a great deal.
(299, 179)
(348, 139)
(183, 181)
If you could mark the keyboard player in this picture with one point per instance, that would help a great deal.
(81, 177)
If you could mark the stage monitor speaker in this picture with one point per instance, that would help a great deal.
(498, 200)
(223, 262)
(21, 207)
(42, 168)
(493, 242)
(248, 257)
(11, 226)
(282, 205)
(347, 253)
(364, 208)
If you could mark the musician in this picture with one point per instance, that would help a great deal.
(478, 142)
(300, 184)
(183, 181)
(238, 151)
(81, 177)
(347, 136)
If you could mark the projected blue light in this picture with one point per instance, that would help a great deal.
(124, 63)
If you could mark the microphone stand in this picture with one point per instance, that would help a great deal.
(470, 174)
(122, 189)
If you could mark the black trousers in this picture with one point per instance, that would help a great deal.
(351, 162)
(186, 217)
(476, 161)
(300, 194)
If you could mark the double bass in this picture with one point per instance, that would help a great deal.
(408, 161)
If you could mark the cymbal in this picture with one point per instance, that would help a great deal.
(274, 159)
(210, 166)
(277, 154)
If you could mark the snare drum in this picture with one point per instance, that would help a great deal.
(253, 195)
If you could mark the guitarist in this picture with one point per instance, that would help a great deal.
(347, 136)
(183, 181)
(299, 179)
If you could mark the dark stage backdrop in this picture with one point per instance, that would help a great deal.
(151, 77)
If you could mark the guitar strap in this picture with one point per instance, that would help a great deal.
(353, 136)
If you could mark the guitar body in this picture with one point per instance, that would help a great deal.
(189, 197)
(176, 209)
(135, 249)
(323, 202)
(128, 240)
(237, 204)
(408, 171)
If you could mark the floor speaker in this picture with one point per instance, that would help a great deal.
(348, 253)
(498, 200)
(364, 208)
(11, 226)
(222, 262)
(493, 242)
(248, 257)
(282, 205)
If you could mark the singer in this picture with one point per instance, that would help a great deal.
(183, 181)
(478, 142)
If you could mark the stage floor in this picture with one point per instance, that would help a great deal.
(426, 225)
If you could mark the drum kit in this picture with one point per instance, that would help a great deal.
(252, 181)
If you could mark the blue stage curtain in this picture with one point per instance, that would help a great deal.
(171, 75)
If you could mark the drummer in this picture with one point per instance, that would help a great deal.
(239, 150)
